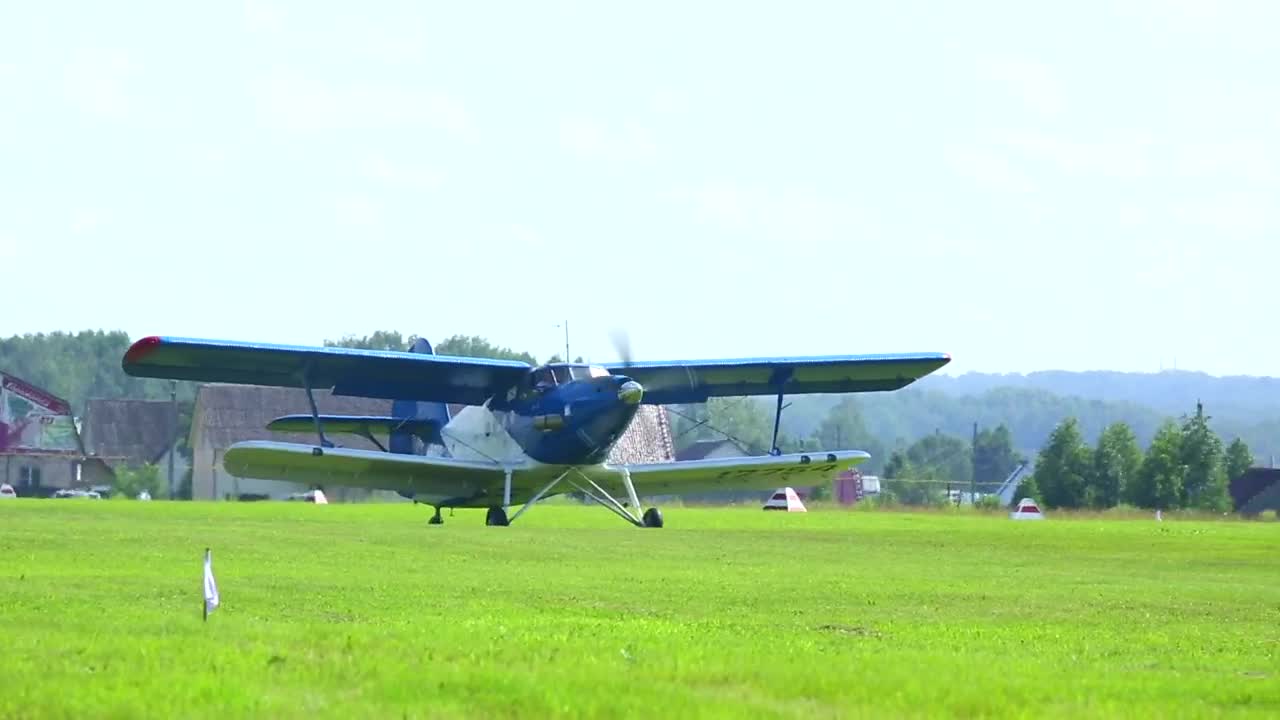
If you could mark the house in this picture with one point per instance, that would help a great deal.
(132, 433)
(227, 414)
(709, 449)
(40, 446)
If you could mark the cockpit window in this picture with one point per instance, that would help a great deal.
(561, 374)
(586, 372)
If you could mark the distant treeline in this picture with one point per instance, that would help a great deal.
(79, 366)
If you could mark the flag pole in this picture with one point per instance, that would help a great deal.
(204, 602)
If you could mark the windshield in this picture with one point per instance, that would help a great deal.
(586, 372)
(561, 374)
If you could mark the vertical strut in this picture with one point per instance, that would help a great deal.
(631, 491)
(777, 420)
(315, 414)
(506, 491)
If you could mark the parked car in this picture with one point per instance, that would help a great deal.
(7, 491)
(73, 493)
(311, 496)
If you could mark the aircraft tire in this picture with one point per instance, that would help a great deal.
(652, 518)
(496, 517)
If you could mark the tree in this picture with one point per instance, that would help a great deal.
(1238, 459)
(844, 428)
(1115, 465)
(130, 482)
(944, 457)
(993, 455)
(379, 340)
(83, 365)
(1027, 488)
(459, 345)
(1160, 478)
(1204, 484)
(475, 346)
(921, 473)
(909, 484)
(743, 420)
(1063, 466)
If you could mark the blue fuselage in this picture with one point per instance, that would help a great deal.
(571, 423)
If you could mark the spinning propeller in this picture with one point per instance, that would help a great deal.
(622, 345)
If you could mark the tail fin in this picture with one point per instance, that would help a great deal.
(402, 440)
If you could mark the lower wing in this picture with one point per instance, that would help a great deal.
(431, 479)
(470, 483)
(768, 472)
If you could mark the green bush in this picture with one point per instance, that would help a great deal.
(988, 502)
(130, 482)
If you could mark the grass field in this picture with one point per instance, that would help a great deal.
(365, 611)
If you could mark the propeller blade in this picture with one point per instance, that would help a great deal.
(622, 344)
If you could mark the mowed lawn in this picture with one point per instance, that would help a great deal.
(365, 611)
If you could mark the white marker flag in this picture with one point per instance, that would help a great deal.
(210, 586)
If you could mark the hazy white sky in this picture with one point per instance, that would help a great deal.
(1025, 185)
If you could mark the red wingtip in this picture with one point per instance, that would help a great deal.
(140, 349)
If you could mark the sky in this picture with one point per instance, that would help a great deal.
(1027, 186)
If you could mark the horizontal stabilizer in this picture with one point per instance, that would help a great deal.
(362, 425)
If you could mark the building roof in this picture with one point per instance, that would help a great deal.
(226, 414)
(647, 439)
(137, 431)
(702, 449)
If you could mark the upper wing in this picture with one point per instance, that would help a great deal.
(347, 371)
(693, 381)
(727, 474)
(460, 481)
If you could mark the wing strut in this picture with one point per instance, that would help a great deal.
(315, 415)
(777, 420)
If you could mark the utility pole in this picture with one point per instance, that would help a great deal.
(973, 482)
(173, 444)
(566, 341)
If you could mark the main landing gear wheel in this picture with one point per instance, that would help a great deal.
(496, 516)
(436, 519)
(652, 518)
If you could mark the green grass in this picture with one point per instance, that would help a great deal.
(365, 611)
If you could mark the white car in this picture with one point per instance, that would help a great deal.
(89, 494)
(7, 491)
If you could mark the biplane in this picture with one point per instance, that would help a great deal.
(524, 433)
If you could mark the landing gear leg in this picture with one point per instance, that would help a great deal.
(436, 519)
